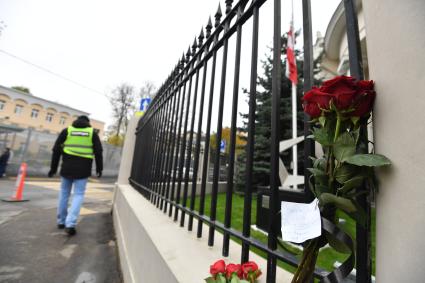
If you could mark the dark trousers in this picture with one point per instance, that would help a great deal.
(2, 169)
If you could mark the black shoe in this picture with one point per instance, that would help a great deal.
(70, 231)
(61, 226)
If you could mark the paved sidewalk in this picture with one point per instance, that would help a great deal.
(33, 250)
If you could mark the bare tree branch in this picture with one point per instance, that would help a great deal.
(148, 90)
(122, 100)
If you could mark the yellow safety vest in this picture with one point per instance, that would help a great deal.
(79, 142)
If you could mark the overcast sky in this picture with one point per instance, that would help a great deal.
(99, 44)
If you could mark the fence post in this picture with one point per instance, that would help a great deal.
(25, 149)
(274, 162)
(363, 245)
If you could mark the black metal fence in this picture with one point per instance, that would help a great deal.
(168, 143)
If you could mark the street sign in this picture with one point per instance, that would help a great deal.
(144, 104)
(223, 146)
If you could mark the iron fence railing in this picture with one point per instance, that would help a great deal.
(168, 143)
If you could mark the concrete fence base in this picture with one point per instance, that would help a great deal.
(155, 249)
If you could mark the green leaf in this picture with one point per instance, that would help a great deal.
(320, 189)
(355, 120)
(336, 244)
(371, 160)
(355, 194)
(322, 120)
(345, 173)
(351, 184)
(244, 281)
(342, 203)
(322, 136)
(316, 172)
(332, 106)
(319, 163)
(320, 176)
(356, 135)
(221, 278)
(235, 280)
(344, 147)
(210, 280)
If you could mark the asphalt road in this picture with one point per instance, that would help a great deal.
(33, 250)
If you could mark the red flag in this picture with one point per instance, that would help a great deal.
(291, 64)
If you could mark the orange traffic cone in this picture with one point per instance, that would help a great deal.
(20, 182)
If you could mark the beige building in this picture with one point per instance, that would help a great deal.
(334, 61)
(25, 110)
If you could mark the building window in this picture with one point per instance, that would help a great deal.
(34, 113)
(49, 117)
(62, 120)
(18, 109)
(2, 103)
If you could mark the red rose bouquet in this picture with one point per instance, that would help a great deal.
(233, 273)
(339, 110)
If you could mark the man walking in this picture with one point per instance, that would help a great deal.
(78, 144)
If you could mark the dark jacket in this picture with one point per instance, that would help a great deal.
(75, 167)
(4, 158)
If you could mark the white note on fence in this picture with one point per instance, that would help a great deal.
(300, 221)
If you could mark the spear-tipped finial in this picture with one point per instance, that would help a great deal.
(188, 54)
(209, 27)
(183, 60)
(240, 11)
(218, 16)
(194, 46)
(228, 6)
(201, 37)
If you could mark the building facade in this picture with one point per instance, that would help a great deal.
(24, 110)
(334, 60)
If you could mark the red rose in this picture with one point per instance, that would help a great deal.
(339, 84)
(314, 101)
(249, 266)
(365, 99)
(233, 268)
(250, 271)
(345, 100)
(218, 267)
(365, 85)
(343, 89)
(345, 93)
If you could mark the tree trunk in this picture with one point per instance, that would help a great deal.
(119, 126)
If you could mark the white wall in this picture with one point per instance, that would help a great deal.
(155, 249)
(128, 151)
(396, 51)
